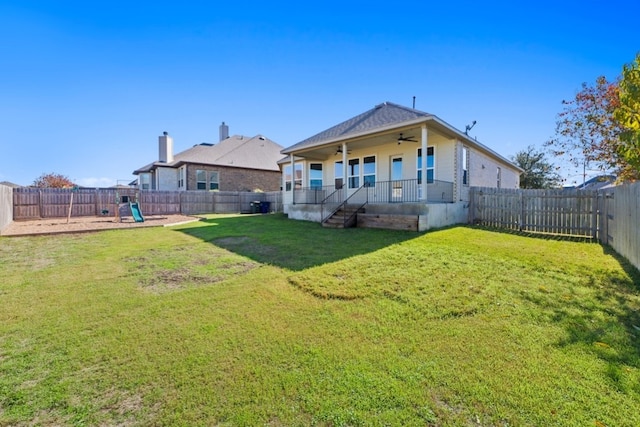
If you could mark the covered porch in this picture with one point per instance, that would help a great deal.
(391, 161)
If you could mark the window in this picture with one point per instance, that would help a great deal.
(499, 177)
(145, 181)
(214, 181)
(465, 166)
(181, 177)
(298, 176)
(354, 173)
(369, 171)
(339, 179)
(288, 176)
(430, 164)
(315, 175)
(201, 180)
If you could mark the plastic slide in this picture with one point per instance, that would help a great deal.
(135, 212)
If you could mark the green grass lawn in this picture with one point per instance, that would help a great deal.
(260, 320)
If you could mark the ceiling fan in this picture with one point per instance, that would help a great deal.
(339, 151)
(402, 139)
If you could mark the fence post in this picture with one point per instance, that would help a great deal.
(594, 215)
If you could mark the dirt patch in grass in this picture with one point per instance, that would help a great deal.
(88, 224)
(166, 270)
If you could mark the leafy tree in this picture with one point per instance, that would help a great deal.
(538, 172)
(53, 180)
(628, 114)
(588, 134)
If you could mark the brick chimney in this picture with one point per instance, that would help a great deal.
(165, 146)
(224, 132)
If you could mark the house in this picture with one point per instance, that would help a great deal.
(236, 163)
(599, 182)
(368, 171)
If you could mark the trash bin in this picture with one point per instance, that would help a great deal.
(255, 206)
(264, 207)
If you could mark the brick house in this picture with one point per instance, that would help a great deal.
(236, 163)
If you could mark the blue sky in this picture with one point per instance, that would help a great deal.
(86, 88)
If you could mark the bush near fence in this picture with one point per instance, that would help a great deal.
(37, 203)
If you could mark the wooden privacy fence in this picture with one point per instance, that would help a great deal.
(559, 212)
(34, 203)
(611, 216)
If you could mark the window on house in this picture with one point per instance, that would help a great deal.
(338, 174)
(181, 177)
(315, 175)
(145, 181)
(214, 181)
(499, 177)
(287, 178)
(369, 171)
(354, 173)
(297, 178)
(201, 180)
(465, 166)
(430, 165)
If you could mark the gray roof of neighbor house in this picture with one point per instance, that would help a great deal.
(258, 152)
(380, 116)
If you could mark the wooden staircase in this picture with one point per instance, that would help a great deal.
(337, 220)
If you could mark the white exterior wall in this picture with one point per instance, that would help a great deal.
(166, 179)
(483, 172)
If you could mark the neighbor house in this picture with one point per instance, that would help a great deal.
(236, 163)
(368, 171)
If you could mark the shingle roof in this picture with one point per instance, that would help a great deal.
(258, 152)
(380, 116)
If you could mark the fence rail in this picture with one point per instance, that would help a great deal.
(34, 203)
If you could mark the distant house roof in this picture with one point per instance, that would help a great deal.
(258, 152)
(596, 183)
(10, 184)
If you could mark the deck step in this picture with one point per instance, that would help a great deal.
(337, 219)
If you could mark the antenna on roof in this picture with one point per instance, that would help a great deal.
(414, 102)
(467, 128)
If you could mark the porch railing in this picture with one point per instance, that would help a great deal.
(335, 201)
(410, 191)
(332, 203)
(312, 195)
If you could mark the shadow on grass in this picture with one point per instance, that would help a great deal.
(294, 245)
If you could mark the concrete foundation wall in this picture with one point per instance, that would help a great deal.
(432, 215)
(304, 212)
(443, 214)
(6, 206)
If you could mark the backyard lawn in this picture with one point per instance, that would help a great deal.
(259, 320)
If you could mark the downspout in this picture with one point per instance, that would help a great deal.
(293, 180)
(345, 180)
(423, 166)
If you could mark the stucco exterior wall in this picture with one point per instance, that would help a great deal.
(166, 179)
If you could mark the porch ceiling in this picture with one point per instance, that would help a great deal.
(390, 136)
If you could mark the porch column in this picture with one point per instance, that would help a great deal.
(345, 180)
(423, 166)
(293, 180)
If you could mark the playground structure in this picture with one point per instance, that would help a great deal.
(132, 203)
